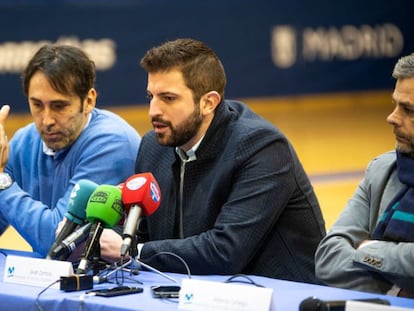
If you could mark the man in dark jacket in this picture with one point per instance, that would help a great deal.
(235, 198)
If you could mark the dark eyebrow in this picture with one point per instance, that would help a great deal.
(167, 94)
(35, 99)
(59, 101)
(406, 104)
(56, 101)
(401, 103)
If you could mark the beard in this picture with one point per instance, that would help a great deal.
(183, 132)
(406, 149)
(404, 144)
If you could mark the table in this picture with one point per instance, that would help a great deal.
(287, 295)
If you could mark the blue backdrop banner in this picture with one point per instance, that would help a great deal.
(268, 47)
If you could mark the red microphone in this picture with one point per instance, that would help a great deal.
(140, 195)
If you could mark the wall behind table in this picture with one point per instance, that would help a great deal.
(269, 48)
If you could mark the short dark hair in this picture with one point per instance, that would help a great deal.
(68, 69)
(201, 68)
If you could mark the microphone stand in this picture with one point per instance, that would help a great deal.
(96, 264)
(135, 263)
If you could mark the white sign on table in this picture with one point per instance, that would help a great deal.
(200, 295)
(35, 271)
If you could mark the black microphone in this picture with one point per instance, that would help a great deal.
(75, 214)
(315, 304)
(66, 247)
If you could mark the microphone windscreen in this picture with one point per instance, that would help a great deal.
(105, 205)
(315, 304)
(143, 190)
(78, 200)
(310, 304)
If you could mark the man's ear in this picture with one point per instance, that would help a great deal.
(90, 101)
(209, 102)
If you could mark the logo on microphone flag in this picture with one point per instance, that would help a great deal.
(136, 183)
(155, 192)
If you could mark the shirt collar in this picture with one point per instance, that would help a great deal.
(190, 155)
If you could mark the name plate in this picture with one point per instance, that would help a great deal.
(35, 271)
(207, 295)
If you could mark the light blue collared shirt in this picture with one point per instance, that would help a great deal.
(190, 154)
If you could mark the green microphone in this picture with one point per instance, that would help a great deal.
(105, 205)
(104, 210)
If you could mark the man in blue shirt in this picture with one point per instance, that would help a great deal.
(69, 140)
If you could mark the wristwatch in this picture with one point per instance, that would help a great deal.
(5, 181)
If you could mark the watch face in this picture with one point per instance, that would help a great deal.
(5, 181)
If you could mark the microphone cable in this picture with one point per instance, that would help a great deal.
(187, 268)
(121, 266)
(37, 301)
(246, 280)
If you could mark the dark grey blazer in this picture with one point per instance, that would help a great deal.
(377, 266)
(248, 205)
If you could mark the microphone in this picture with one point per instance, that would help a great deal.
(104, 210)
(73, 240)
(315, 304)
(140, 195)
(75, 213)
